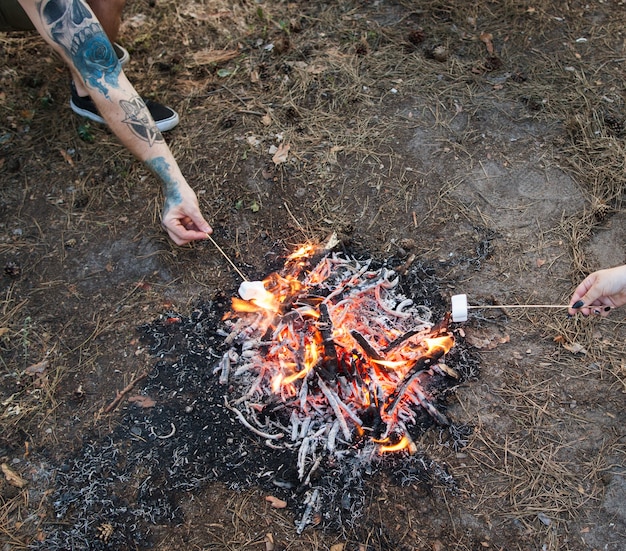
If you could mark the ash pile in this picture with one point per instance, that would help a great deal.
(328, 376)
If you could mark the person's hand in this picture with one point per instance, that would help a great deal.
(600, 292)
(182, 218)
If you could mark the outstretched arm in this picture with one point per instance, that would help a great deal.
(600, 291)
(72, 30)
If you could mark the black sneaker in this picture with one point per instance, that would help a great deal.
(164, 117)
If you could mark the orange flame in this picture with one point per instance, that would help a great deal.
(405, 443)
(445, 342)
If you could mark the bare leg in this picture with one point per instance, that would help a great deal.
(109, 13)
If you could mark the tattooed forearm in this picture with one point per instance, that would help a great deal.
(160, 167)
(139, 121)
(71, 25)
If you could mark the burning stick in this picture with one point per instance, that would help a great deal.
(302, 453)
(366, 346)
(397, 342)
(326, 329)
(332, 436)
(422, 364)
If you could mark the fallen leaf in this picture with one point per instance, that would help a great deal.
(487, 38)
(12, 477)
(39, 373)
(266, 119)
(142, 401)
(540, 262)
(276, 502)
(67, 157)
(3, 331)
(281, 154)
(575, 348)
(486, 340)
(269, 542)
(337, 547)
(37, 369)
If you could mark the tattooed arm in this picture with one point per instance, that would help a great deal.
(72, 30)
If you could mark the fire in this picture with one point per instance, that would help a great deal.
(405, 443)
(337, 341)
(444, 343)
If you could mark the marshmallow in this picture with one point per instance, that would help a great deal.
(459, 308)
(254, 289)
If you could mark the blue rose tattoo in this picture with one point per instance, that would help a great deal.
(73, 26)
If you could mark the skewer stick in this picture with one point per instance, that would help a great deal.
(241, 275)
(460, 307)
(521, 306)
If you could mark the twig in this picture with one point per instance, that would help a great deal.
(124, 392)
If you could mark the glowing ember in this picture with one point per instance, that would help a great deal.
(337, 353)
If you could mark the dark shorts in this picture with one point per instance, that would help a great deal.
(13, 17)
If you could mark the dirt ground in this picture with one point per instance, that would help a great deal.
(485, 139)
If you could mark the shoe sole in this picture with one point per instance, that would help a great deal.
(163, 125)
(122, 54)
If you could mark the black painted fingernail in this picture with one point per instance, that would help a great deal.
(607, 308)
(578, 304)
(596, 311)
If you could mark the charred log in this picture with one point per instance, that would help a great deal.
(330, 363)
(369, 350)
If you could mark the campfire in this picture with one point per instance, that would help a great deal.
(328, 357)
(327, 374)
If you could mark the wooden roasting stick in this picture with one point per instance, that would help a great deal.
(460, 307)
(241, 275)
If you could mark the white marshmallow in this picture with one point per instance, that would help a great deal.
(254, 289)
(459, 308)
